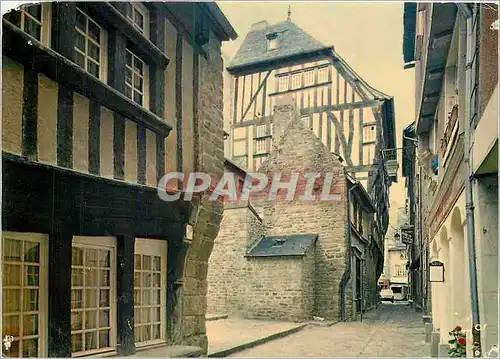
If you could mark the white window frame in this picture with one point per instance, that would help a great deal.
(368, 150)
(283, 83)
(45, 21)
(260, 146)
(145, 80)
(367, 133)
(323, 74)
(260, 130)
(143, 10)
(103, 47)
(43, 294)
(296, 80)
(309, 77)
(272, 44)
(107, 243)
(154, 247)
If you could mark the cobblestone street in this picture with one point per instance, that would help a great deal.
(392, 330)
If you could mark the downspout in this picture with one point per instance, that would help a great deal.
(469, 204)
(347, 273)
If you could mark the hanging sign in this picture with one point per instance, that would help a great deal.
(436, 271)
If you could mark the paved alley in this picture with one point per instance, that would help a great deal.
(393, 330)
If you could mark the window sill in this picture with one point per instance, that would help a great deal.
(23, 48)
(121, 23)
(111, 353)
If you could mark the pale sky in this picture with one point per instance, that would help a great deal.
(368, 35)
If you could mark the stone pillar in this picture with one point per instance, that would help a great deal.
(428, 332)
(435, 338)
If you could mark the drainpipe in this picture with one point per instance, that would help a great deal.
(469, 204)
(347, 273)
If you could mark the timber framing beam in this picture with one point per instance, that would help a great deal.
(252, 100)
(341, 107)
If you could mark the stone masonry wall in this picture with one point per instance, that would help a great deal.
(191, 329)
(274, 288)
(299, 150)
(227, 270)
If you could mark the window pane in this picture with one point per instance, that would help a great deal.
(76, 298)
(104, 298)
(104, 259)
(138, 83)
(137, 279)
(129, 10)
(77, 342)
(94, 51)
(156, 332)
(77, 256)
(156, 297)
(138, 65)
(156, 280)
(104, 318)
(90, 319)
(94, 32)
(104, 278)
(146, 333)
(128, 91)
(11, 274)
(32, 28)
(14, 17)
(139, 19)
(11, 325)
(91, 257)
(146, 262)
(12, 250)
(129, 58)
(156, 314)
(137, 97)
(91, 278)
(93, 69)
(30, 348)
(137, 297)
(157, 263)
(128, 76)
(80, 59)
(146, 297)
(137, 265)
(103, 338)
(30, 324)
(30, 299)
(90, 340)
(81, 21)
(31, 275)
(77, 277)
(91, 298)
(146, 277)
(35, 11)
(76, 320)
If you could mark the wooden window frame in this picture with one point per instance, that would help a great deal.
(283, 83)
(143, 10)
(43, 294)
(144, 76)
(106, 243)
(45, 21)
(102, 45)
(153, 247)
(325, 70)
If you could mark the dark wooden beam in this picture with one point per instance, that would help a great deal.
(346, 106)
(141, 155)
(235, 104)
(119, 146)
(63, 28)
(340, 134)
(178, 98)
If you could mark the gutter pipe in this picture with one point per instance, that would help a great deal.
(469, 203)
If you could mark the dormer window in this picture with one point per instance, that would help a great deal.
(272, 41)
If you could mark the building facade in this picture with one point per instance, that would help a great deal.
(99, 101)
(290, 259)
(455, 54)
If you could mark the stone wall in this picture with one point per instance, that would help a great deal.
(190, 317)
(227, 270)
(298, 150)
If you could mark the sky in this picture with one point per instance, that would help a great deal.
(368, 35)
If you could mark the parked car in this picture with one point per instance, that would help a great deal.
(386, 295)
(399, 293)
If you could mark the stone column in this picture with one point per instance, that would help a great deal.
(285, 111)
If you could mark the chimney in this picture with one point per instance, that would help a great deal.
(285, 111)
(261, 25)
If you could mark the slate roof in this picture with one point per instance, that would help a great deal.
(279, 246)
(293, 42)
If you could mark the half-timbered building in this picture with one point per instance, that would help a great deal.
(352, 119)
(99, 100)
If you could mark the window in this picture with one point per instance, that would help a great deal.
(296, 83)
(283, 83)
(309, 78)
(400, 271)
(89, 45)
(139, 15)
(260, 146)
(34, 20)
(273, 44)
(136, 81)
(150, 278)
(323, 74)
(260, 131)
(92, 295)
(24, 293)
(369, 134)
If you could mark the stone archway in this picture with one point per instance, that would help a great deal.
(458, 270)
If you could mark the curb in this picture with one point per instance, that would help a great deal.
(238, 348)
(211, 318)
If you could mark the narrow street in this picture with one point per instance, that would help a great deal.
(393, 330)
